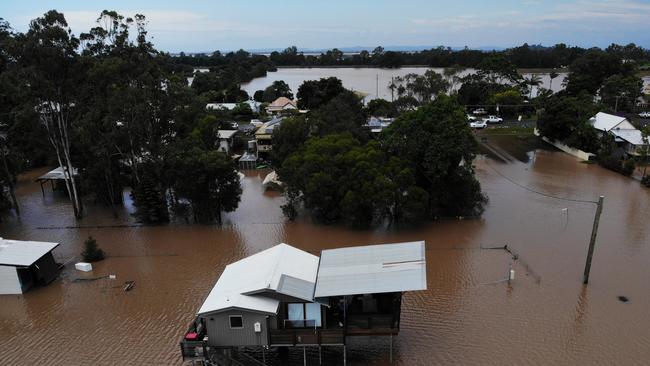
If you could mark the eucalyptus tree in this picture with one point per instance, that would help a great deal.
(553, 74)
(50, 65)
(531, 82)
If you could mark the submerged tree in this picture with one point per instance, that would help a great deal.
(50, 66)
(92, 252)
(440, 147)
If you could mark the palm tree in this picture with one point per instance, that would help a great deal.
(532, 81)
(553, 74)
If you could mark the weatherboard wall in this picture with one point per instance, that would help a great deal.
(220, 334)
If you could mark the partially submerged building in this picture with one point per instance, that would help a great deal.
(626, 136)
(24, 264)
(226, 140)
(264, 135)
(286, 297)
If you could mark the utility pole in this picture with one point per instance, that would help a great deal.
(592, 242)
(377, 87)
(616, 104)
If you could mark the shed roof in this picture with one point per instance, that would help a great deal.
(56, 174)
(282, 269)
(281, 102)
(372, 269)
(226, 134)
(23, 253)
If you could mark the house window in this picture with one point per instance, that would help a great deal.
(236, 322)
(303, 315)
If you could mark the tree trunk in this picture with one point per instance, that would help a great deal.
(10, 182)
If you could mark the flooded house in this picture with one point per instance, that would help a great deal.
(24, 264)
(264, 135)
(627, 137)
(287, 297)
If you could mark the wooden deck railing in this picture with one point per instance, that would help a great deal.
(292, 337)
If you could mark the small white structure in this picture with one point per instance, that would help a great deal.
(226, 138)
(24, 264)
(625, 134)
(83, 266)
(272, 181)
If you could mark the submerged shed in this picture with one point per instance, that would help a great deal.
(24, 264)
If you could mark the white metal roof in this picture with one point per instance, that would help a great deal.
(226, 134)
(605, 121)
(282, 269)
(635, 137)
(57, 174)
(372, 269)
(23, 253)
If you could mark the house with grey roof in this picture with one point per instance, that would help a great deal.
(285, 297)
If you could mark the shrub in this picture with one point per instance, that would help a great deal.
(92, 253)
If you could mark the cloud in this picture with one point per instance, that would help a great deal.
(580, 14)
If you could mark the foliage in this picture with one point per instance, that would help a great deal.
(338, 178)
(288, 138)
(92, 252)
(342, 113)
(380, 108)
(276, 90)
(148, 199)
(423, 87)
(440, 147)
(566, 118)
(588, 72)
(315, 93)
(206, 178)
(620, 92)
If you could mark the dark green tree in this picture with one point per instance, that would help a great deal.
(440, 147)
(92, 252)
(315, 93)
(566, 118)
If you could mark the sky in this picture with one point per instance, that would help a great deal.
(207, 25)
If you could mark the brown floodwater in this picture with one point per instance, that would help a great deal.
(545, 316)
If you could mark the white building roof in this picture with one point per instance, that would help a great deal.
(23, 253)
(634, 137)
(281, 269)
(57, 174)
(372, 269)
(605, 121)
(226, 134)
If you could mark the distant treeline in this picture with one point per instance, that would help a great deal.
(525, 56)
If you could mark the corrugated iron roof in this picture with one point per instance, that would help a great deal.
(372, 269)
(23, 253)
(280, 268)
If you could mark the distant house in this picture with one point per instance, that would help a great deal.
(226, 138)
(378, 124)
(255, 106)
(284, 296)
(264, 135)
(24, 264)
(626, 136)
(281, 104)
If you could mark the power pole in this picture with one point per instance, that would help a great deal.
(592, 242)
(377, 87)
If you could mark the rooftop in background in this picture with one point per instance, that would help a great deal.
(372, 269)
(23, 253)
(281, 269)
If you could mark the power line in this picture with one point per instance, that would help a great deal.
(535, 191)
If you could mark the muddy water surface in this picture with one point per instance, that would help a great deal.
(545, 316)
